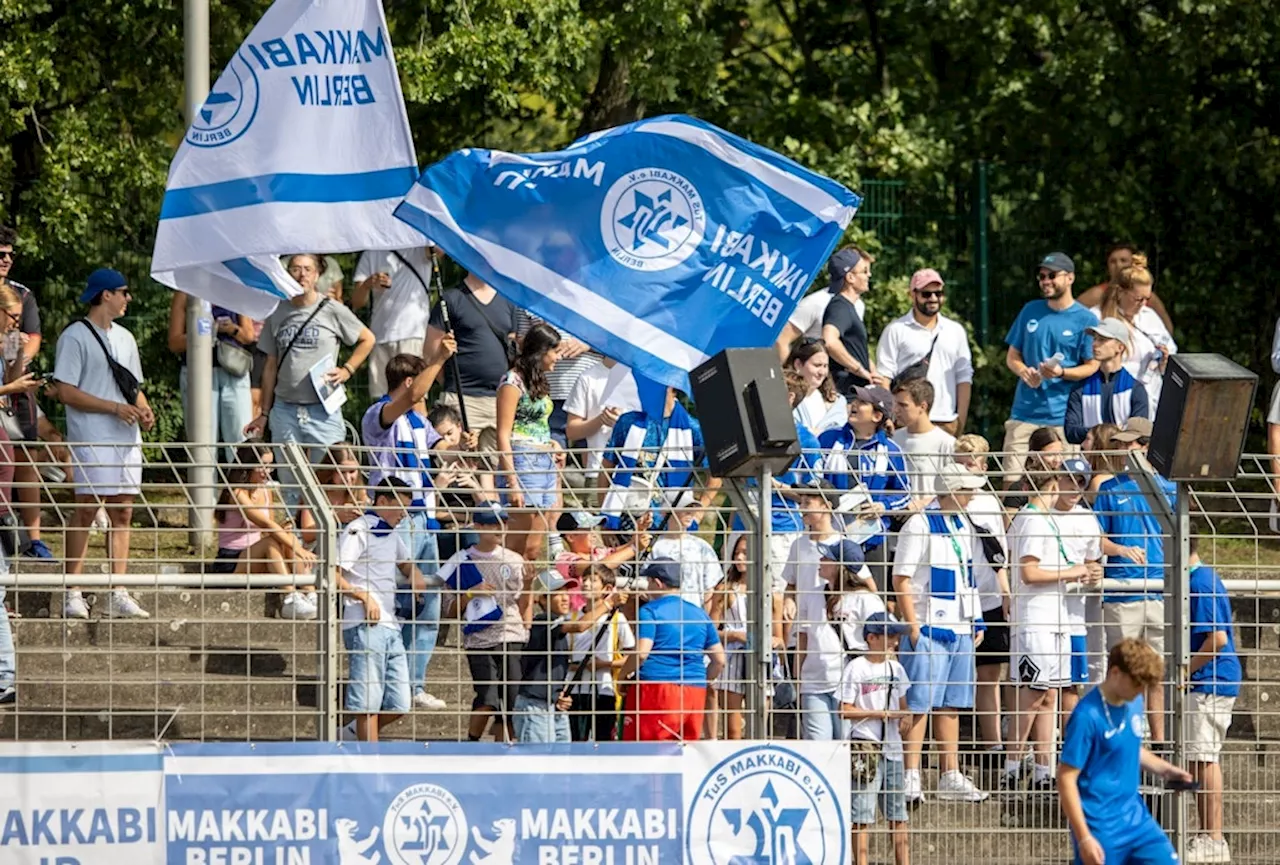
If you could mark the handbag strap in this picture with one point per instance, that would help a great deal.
(287, 348)
(497, 332)
(101, 344)
(400, 258)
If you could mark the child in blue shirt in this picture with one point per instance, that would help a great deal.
(1102, 759)
(1215, 683)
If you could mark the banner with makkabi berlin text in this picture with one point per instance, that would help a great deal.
(660, 242)
(302, 145)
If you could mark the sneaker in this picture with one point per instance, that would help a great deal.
(313, 599)
(74, 606)
(348, 732)
(295, 607)
(955, 787)
(912, 789)
(9, 696)
(101, 522)
(1202, 848)
(123, 606)
(423, 700)
(37, 549)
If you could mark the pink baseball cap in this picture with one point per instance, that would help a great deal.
(926, 276)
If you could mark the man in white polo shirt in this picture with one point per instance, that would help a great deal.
(926, 344)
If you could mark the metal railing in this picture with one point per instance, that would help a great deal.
(214, 660)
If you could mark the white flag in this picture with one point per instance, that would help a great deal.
(303, 145)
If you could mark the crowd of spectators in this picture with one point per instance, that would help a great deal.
(914, 585)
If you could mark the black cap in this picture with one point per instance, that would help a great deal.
(665, 571)
(840, 264)
(1057, 262)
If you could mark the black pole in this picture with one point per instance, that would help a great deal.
(448, 327)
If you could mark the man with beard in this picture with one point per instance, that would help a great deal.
(1049, 349)
(926, 344)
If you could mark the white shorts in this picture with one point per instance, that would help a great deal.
(1040, 657)
(1134, 620)
(1207, 719)
(107, 470)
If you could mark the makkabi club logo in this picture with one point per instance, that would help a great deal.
(652, 219)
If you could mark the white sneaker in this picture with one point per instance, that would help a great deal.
(101, 522)
(74, 606)
(955, 787)
(1202, 848)
(122, 606)
(912, 789)
(348, 732)
(423, 700)
(296, 607)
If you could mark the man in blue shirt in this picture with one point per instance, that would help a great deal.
(1102, 759)
(677, 653)
(1215, 683)
(1049, 349)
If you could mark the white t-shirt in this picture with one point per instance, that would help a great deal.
(1035, 533)
(1082, 537)
(370, 562)
(919, 551)
(875, 687)
(619, 639)
(905, 341)
(818, 417)
(807, 316)
(824, 657)
(699, 567)
(801, 572)
(597, 388)
(926, 453)
(80, 362)
(401, 311)
(986, 513)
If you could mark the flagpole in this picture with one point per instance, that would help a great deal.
(199, 418)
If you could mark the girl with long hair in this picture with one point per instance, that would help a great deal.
(822, 408)
(728, 609)
(250, 541)
(1045, 448)
(525, 448)
(1150, 343)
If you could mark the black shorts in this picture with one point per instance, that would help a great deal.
(495, 676)
(226, 562)
(995, 641)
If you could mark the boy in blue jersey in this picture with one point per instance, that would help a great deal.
(1215, 683)
(1049, 350)
(1102, 760)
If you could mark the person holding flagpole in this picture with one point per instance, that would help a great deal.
(298, 339)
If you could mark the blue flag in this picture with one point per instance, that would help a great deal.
(658, 243)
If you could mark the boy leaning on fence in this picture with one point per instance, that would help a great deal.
(371, 557)
(873, 693)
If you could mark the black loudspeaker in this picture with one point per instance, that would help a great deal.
(745, 415)
(1200, 427)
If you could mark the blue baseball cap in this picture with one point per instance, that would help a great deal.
(841, 263)
(846, 552)
(489, 516)
(884, 625)
(102, 279)
(665, 571)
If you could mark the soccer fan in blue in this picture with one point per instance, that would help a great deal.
(1102, 757)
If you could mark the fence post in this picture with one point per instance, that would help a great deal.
(329, 637)
(981, 260)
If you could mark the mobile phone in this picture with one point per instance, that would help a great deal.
(1181, 786)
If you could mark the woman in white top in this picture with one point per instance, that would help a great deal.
(728, 609)
(822, 409)
(1150, 342)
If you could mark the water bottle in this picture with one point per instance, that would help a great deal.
(1052, 367)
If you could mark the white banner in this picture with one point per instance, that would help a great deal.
(92, 803)
(302, 145)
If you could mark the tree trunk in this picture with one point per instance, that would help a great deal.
(610, 103)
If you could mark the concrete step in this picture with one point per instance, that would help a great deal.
(114, 634)
(197, 692)
(170, 724)
(58, 663)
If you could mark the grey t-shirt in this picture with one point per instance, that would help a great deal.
(79, 362)
(332, 325)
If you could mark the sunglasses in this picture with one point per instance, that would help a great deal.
(1045, 276)
(15, 317)
(927, 294)
(7, 255)
(126, 292)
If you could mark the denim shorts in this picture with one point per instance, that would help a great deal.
(942, 675)
(889, 789)
(379, 679)
(536, 471)
(537, 722)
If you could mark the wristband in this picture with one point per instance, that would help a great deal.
(348, 368)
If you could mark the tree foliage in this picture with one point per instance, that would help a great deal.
(1100, 120)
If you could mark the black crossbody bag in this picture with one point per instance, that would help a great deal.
(125, 380)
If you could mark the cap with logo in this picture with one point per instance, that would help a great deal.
(1078, 468)
(1057, 262)
(1111, 328)
(926, 277)
(664, 570)
(884, 625)
(577, 521)
(953, 478)
(1135, 428)
(840, 264)
(553, 581)
(877, 397)
(102, 279)
(844, 551)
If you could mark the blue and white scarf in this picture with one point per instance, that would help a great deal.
(670, 456)
(481, 611)
(412, 455)
(1091, 407)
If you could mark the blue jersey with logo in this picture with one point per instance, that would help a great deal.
(1126, 519)
(1105, 743)
(681, 634)
(1210, 612)
(1039, 333)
